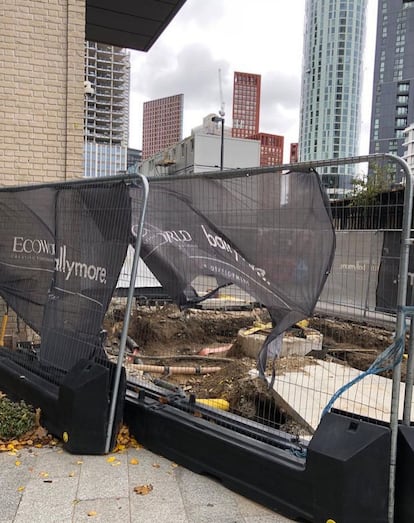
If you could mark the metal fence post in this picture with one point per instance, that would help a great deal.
(128, 309)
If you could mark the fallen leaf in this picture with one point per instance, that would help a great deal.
(134, 461)
(71, 474)
(110, 459)
(20, 489)
(156, 465)
(17, 463)
(143, 490)
(92, 513)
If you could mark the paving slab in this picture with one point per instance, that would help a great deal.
(305, 392)
(49, 485)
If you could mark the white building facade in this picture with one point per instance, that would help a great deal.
(409, 146)
(201, 152)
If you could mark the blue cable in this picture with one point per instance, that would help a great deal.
(393, 353)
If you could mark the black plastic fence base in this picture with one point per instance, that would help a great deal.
(404, 495)
(76, 409)
(344, 476)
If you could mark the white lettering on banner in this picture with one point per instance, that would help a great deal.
(358, 266)
(152, 237)
(62, 264)
(29, 246)
(79, 269)
(176, 236)
(217, 241)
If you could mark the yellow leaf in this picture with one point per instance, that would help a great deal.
(17, 463)
(134, 461)
(79, 462)
(71, 474)
(92, 513)
(44, 474)
(143, 490)
(20, 489)
(156, 465)
(111, 459)
(115, 464)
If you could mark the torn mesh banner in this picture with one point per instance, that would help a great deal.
(271, 234)
(61, 250)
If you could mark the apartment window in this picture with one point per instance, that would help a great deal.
(401, 122)
(402, 99)
(402, 110)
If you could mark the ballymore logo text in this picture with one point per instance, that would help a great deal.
(69, 268)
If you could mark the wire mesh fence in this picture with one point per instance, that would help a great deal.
(201, 317)
(257, 304)
(208, 350)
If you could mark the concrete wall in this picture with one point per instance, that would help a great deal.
(41, 90)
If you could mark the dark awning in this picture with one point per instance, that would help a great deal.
(129, 23)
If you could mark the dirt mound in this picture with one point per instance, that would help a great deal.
(167, 329)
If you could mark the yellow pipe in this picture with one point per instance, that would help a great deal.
(3, 328)
(217, 403)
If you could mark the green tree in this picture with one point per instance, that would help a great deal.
(365, 191)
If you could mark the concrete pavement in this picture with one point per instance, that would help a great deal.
(48, 485)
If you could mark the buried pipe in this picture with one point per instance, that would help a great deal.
(215, 350)
(166, 369)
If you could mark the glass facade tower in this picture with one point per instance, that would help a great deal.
(331, 87)
(393, 89)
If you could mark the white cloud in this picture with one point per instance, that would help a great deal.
(263, 37)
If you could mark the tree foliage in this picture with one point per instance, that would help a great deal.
(366, 191)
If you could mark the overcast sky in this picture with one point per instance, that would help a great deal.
(263, 37)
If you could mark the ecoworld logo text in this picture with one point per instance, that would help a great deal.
(69, 268)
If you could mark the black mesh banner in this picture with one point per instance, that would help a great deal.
(270, 234)
(61, 250)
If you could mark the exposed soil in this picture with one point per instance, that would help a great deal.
(170, 338)
(355, 343)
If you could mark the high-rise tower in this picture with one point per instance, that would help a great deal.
(107, 69)
(331, 86)
(246, 104)
(162, 124)
(393, 89)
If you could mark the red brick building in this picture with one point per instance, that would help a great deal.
(271, 148)
(162, 124)
(246, 104)
(294, 153)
